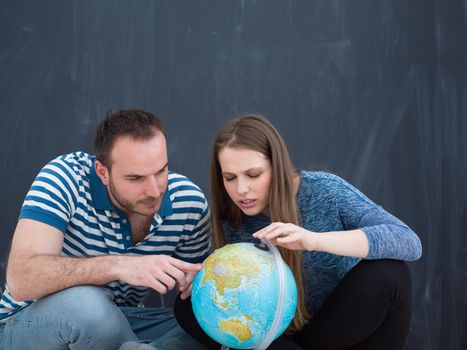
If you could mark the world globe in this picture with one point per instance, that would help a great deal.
(236, 293)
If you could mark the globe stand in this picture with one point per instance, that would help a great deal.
(269, 337)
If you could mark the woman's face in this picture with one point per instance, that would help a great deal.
(247, 179)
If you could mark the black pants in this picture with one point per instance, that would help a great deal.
(369, 309)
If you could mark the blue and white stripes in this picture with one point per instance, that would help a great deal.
(68, 195)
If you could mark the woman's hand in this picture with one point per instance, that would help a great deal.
(347, 243)
(289, 236)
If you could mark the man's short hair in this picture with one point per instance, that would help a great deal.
(136, 123)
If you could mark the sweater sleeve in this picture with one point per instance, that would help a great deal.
(388, 236)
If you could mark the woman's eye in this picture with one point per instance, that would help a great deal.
(254, 175)
(228, 179)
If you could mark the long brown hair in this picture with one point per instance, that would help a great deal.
(256, 133)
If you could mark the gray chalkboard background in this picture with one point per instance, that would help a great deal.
(375, 91)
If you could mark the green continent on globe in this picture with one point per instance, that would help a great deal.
(228, 269)
(236, 327)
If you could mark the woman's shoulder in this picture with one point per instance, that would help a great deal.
(316, 190)
(330, 186)
(321, 188)
(318, 180)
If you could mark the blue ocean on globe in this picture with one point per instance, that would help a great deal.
(235, 295)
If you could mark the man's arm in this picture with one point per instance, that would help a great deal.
(36, 269)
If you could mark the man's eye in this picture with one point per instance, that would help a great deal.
(135, 179)
(163, 171)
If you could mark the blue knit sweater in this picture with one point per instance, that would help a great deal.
(328, 203)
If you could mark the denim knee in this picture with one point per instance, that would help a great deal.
(82, 317)
(91, 309)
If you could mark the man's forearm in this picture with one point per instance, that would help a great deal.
(34, 277)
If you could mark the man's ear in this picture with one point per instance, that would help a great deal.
(102, 172)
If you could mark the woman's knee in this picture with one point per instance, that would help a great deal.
(390, 278)
(387, 272)
(183, 312)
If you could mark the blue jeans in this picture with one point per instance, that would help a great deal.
(85, 317)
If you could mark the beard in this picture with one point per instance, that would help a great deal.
(139, 207)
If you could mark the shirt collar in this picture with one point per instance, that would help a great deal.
(98, 191)
(101, 199)
(166, 206)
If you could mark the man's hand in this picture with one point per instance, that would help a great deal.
(159, 272)
(186, 290)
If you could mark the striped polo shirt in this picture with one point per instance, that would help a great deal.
(68, 195)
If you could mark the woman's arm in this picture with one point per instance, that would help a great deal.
(388, 237)
(369, 231)
(347, 243)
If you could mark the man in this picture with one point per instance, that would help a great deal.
(95, 233)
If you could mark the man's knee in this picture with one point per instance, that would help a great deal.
(82, 316)
(87, 308)
(81, 300)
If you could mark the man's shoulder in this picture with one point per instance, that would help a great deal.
(79, 158)
(181, 188)
(58, 188)
(67, 169)
(76, 161)
(179, 182)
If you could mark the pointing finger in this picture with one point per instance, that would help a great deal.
(184, 266)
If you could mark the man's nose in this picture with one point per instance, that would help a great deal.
(152, 188)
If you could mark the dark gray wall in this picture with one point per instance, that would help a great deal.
(374, 91)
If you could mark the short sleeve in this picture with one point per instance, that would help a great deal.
(52, 197)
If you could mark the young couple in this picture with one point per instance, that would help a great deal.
(97, 232)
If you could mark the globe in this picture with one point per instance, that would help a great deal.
(236, 293)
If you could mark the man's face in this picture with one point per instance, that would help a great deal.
(138, 177)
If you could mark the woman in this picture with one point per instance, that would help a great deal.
(345, 251)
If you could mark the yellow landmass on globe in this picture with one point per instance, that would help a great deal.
(227, 269)
(223, 305)
(237, 328)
